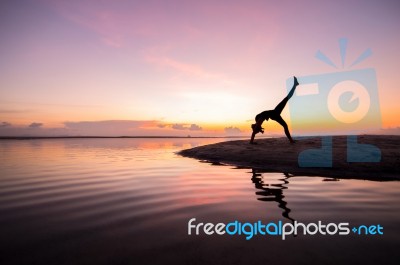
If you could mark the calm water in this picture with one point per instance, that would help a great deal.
(128, 201)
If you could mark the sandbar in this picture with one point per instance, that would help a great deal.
(278, 155)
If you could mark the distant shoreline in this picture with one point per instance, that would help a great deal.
(278, 155)
(116, 137)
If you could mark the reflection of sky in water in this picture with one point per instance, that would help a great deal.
(126, 199)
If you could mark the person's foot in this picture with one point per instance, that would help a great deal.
(296, 83)
(253, 143)
(292, 141)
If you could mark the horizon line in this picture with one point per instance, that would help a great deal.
(105, 137)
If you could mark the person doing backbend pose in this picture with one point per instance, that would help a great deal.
(275, 115)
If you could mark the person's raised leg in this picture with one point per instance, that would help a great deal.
(295, 84)
(278, 109)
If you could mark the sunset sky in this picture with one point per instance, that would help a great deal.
(200, 68)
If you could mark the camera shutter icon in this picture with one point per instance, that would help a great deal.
(348, 102)
(341, 103)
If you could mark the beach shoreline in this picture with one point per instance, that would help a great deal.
(278, 155)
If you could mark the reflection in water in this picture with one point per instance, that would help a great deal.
(119, 201)
(272, 192)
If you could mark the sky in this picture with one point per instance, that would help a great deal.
(199, 68)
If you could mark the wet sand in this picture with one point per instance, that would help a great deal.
(278, 155)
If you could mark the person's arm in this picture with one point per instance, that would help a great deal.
(252, 138)
(256, 129)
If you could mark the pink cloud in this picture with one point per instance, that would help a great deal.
(180, 126)
(186, 68)
(120, 22)
(104, 128)
(99, 18)
(232, 130)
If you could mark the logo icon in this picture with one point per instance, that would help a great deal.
(344, 102)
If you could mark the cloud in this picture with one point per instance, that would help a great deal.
(105, 23)
(195, 127)
(5, 124)
(126, 124)
(181, 126)
(232, 130)
(390, 131)
(35, 125)
(14, 111)
(127, 127)
(103, 128)
(185, 68)
(178, 126)
(32, 130)
(110, 127)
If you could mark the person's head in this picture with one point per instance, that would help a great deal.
(256, 128)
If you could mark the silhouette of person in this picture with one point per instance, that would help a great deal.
(275, 115)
